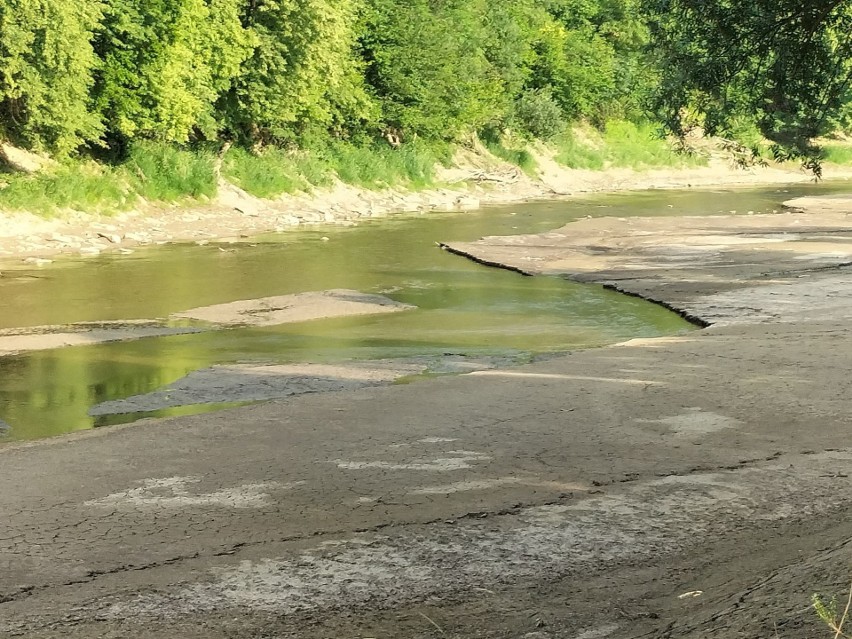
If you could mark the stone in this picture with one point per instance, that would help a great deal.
(467, 203)
(21, 160)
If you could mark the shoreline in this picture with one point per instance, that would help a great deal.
(695, 481)
(235, 215)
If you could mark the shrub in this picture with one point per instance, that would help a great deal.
(538, 116)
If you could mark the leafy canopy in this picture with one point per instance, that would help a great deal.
(787, 62)
(46, 67)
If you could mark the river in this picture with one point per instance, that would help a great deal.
(464, 310)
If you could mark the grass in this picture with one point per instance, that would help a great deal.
(372, 166)
(620, 145)
(378, 165)
(165, 173)
(507, 150)
(837, 153)
(266, 176)
(155, 172)
(830, 615)
(85, 187)
(521, 158)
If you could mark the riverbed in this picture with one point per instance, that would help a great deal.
(464, 316)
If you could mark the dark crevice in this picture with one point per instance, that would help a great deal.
(689, 317)
(484, 262)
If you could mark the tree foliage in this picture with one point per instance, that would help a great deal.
(786, 62)
(315, 72)
(427, 67)
(46, 68)
(165, 64)
(302, 74)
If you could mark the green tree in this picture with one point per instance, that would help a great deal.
(427, 65)
(591, 55)
(46, 65)
(166, 63)
(785, 63)
(303, 74)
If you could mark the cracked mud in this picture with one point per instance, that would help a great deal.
(687, 487)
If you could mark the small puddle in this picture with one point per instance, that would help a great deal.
(466, 316)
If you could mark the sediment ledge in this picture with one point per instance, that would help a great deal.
(712, 270)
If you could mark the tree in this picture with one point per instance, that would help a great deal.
(46, 64)
(786, 63)
(303, 74)
(166, 63)
(426, 63)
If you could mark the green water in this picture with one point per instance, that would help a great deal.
(462, 307)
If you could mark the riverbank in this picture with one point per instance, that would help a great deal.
(476, 179)
(686, 487)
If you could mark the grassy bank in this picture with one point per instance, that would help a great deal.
(152, 172)
(160, 173)
(620, 145)
(167, 174)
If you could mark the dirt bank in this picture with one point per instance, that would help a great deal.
(235, 215)
(687, 487)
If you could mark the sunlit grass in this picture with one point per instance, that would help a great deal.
(379, 165)
(620, 145)
(84, 187)
(267, 175)
(838, 153)
(165, 173)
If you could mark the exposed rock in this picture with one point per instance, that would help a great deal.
(37, 261)
(39, 338)
(23, 161)
(301, 307)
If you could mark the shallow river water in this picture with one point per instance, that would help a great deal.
(462, 308)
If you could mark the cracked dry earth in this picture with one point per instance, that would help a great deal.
(693, 486)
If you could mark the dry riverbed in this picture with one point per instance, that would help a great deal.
(687, 487)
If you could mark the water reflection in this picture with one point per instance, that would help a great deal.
(462, 307)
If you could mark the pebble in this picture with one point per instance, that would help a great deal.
(38, 261)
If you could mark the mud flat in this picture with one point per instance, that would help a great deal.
(715, 270)
(692, 486)
(264, 311)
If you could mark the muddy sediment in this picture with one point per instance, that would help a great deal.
(691, 486)
(718, 270)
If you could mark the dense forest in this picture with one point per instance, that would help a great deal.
(96, 77)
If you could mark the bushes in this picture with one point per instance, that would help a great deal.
(538, 116)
